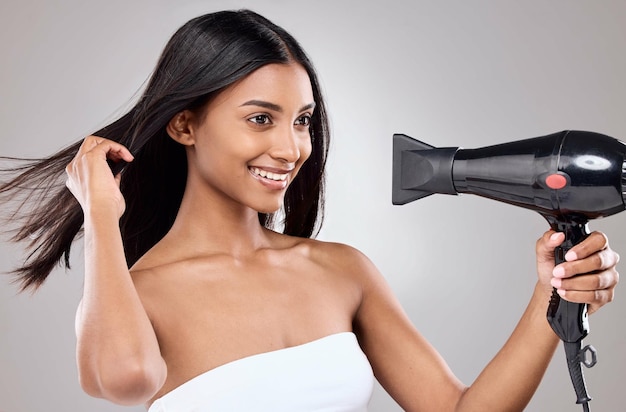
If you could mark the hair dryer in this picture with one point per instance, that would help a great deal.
(568, 177)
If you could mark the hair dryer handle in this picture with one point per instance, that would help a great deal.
(567, 319)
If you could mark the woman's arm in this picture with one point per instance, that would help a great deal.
(418, 378)
(117, 351)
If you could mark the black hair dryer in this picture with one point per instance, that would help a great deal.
(568, 177)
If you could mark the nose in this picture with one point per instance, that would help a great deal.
(287, 145)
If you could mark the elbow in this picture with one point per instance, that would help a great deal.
(123, 383)
(460, 404)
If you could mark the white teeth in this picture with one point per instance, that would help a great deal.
(269, 175)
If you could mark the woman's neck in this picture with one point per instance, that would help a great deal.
(211, 223)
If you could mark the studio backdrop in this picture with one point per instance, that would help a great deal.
(449, 73)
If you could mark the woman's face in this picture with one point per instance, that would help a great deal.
(254, 136)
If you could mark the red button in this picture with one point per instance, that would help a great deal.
(556, 181)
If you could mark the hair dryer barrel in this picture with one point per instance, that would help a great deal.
(570, 175)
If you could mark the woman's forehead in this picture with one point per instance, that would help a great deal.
(280, 84)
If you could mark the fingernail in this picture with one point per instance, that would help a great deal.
(554, 236)
(570, 255)
(555, 282)
(558, 272)
(561, 292)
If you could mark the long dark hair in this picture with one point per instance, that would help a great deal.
(203, 57)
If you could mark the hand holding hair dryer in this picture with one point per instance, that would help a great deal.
(569, 177)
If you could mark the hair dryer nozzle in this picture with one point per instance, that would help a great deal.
(419, 169)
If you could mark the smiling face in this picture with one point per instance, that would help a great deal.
(251, 140)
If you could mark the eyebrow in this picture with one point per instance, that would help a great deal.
(275, 107)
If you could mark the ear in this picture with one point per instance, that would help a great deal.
(180, 128)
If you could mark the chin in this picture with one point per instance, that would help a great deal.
(268, 208)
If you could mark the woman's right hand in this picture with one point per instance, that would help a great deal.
(90, 178)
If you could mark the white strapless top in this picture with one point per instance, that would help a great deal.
(330, 374)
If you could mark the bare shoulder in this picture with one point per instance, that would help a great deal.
(344, 259)
(152, 272)
(160, 260)
(337, 252)
(144, 269)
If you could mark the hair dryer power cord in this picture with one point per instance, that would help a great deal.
(576, 358)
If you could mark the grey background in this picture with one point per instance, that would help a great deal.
(451, 73)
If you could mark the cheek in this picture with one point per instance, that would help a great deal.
(212, 159)
(305, 150)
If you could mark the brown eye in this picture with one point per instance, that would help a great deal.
(260, 119)
(304, 120)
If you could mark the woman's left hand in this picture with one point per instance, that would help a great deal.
(588, 274)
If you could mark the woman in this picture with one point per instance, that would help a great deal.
(218, 311)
